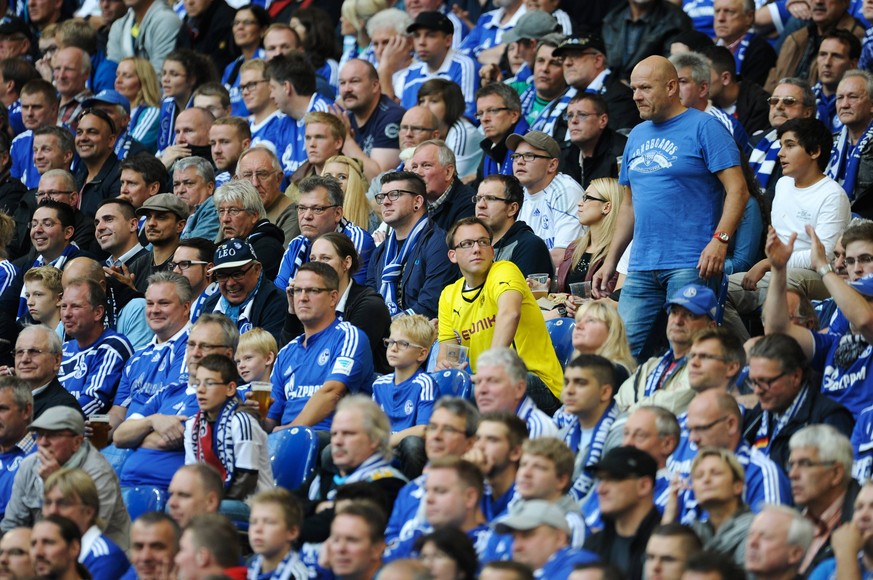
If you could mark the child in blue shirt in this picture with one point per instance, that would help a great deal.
(274, 526)
(254, 358)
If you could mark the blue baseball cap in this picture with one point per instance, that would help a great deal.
(864, 286)
(109, 97)
(696, 298)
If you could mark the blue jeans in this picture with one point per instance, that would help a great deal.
(643, 297)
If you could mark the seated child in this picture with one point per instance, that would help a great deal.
(42, 293)
(407, 395)
(254, 358)
(222, 434)
(274, 526)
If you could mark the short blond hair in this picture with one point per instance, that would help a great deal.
(416, 327)
(48, 276)
(555, 451)
(737, 470)
(289, 506)
(259, 341)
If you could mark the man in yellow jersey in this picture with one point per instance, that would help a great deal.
(492, 306)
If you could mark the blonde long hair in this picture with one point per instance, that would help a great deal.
(597, 242)
(149, 89)
(615, 347)
(356, 208)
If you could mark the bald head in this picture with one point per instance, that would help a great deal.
(83, 268)
(714, 420)
(655, 84)
(420, 117)
(192, 127)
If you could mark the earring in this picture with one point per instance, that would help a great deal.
(415, 208)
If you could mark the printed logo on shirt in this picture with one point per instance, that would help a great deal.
(847, 380)
(392, 130)
(343, 366)
(324, 357)
(408, 407)
(14, 465)
(478, 326)
(653, 155)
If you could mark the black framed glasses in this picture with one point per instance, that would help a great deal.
(767, 383)
(185, 264)
(252, 85)
(587, 197)
(401, 344)
(315, 209)
(236, 275)
(707, 426)
(467, 244)
(488, 199)
(528, 157)
(392, 195)
(491, 111)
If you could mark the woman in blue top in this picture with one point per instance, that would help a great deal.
(249, 26)
(317, 33)
(136, 80)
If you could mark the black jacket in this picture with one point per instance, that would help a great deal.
(268, 309)
(603, 163)
(817, 408)
(11, 192)
(365, 308)
(210, 34)
(623, 112)
(269, 244)
(601, 543)
(759, 59)
(105, 185)
(458, 204)
(54, 395)
(521, 246)
(753, 112)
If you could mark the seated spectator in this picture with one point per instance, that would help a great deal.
(541, 539)
(191, 129)
(445, 551)
(223, 435)
(505, 315)
(668, 550)
(777, 541)
(838, 53)
(194, 183)
(850, 557)
(484, 40)
(15, 559)
(849, 161)
(732, 25)
(228, 138)
(135, 80)
(356, 206)
(249, 25)
(305, 392)
(599, 330)
(117, 107)
(39, 108)
(593, 148)
(598, 211)
(779, 375)
(213, 97)
(407, 395)
(274, 525)
(154, 542)
(498, 109)
(61, 440)
(496, 452)
(744, 99)
(255, 356)
(97, 176)
(165, 216)
(822, 205)
(71, 493)
(506, 570)
(142, 176)
(242, 215)
(117, 232)
(498, 204)
(209, 546)
(38, 354)
(586, 418)
(16, 442)
(42, 292)
(49, 561)
(664, 380)
(244, 295)
(448, 199)
(445, 99)
(324, 138)
(193, 260)
(94, 357)
(262, 164)
(357, 540)
(71, 69)
(195, 489)
(60, 185)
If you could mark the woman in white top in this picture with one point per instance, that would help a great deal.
(446, 100)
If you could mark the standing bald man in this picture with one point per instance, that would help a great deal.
(677, 162)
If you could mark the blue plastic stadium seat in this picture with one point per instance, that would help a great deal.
(116, 457)
(561, 333)
(144, 498)
(453, 383)
(292, 454)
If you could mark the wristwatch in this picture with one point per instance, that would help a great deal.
(826, 269)
(723, 237)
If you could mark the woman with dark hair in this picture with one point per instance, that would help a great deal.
(317, 32)
(183, 71)
(249, 25)
(358, 305)
(448, 553)
(445, 99)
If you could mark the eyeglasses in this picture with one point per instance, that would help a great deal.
(787, 101)
(261, 174)
(528, 157)
(51, 194)
(401, 344)
(569, 117)
(586, 197)
(767, 383)
(236, 275)
(806, 464)
(31, 352)
(704, 356)
(46, 223)
(467, 244)
(488, 199)
(491, 111)
(185, 264)
(315, 209)
(252, 85)
(204, 346)
(307, 291)
(415, 129)
(393, 195)
(231, 211)
(707, 427)
(447, 429)
(862, 259)
(208, 384)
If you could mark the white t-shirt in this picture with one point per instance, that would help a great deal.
(552, 212)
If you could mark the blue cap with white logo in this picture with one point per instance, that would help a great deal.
(695, 298)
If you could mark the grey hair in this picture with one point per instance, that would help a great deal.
(201, 166)
(376, 422)
(445, 155)
(808, 96)
(54, 341)
(800, 531)
(62, 174)
(277, 165)
(700, 66)
(863, 74)
(229, 332)
(504, 357)
(665, 421)
(183, 286)
(507, 94)
(334, 191)
(243, 193)
(20, 390)
(460, 407)
(832, 446)
(389, 18)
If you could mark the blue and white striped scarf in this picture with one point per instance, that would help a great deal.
(223, 438)
(395, 260)
(553, 112)
(663, 372)
(166, 131)
(846, 159)
(585, 480)
(764, 157)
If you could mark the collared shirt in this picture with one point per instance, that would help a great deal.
(125, 257)
(68, 112)
(441, 199)
(824, 527)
